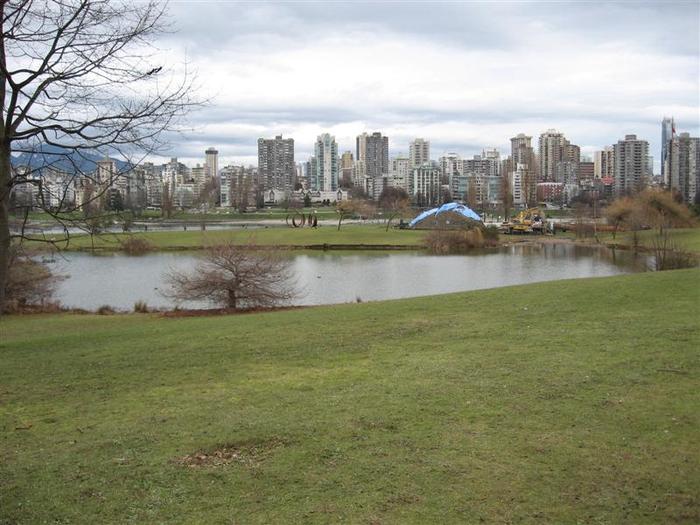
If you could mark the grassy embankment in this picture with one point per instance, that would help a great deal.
(564, 402)
(687, 238)
(349, 235)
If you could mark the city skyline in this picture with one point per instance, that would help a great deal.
(468, 76)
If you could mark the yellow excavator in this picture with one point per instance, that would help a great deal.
(530, 220)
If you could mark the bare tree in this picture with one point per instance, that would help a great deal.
(352, 207)
(235, 276)
(506, 195)
(78, 77)
(394, 202)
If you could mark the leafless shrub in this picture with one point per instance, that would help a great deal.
(135, 245)
(105, 309)
(29, 283)
(140, 307)
(669, 255)
(235, 276)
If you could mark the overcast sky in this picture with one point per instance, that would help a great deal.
(464, 75)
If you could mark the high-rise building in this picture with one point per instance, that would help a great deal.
(400, 173)
(521, 151)
(211, 163)
(683, 165)
(346, 164)
(175, 173)
(558, 159)
(668, 129)
(276, 168)
(604, 163)
(631, 170)
(419, 152)
(552, 150)
(373, 150)
(326, 155)
(426, 184)
(107, 172)
(586, 170)
(451, 166)
(200, 175)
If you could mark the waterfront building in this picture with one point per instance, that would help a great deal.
(237, 186)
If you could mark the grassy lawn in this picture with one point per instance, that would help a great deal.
(348, 234)
(562, 402)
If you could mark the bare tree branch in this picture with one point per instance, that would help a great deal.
(80, 76)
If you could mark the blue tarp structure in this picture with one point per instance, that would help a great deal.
(450, 206)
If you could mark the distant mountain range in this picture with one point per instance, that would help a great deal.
(64, 159)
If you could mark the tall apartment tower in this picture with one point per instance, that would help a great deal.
(326, 157)
(631, 170)
(604, 163)
(683, 165)
(419, 152)
(276, 167)
(559, 160)
(668, 129)
(521, 151)
(553, 150)
(346, 164)
(211, 163)
(373, 151)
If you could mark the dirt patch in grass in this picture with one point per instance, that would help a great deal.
(248, 454)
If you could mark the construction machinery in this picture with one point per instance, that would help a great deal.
(530, 220)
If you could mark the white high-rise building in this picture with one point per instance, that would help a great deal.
(517, 181)
(326, 155)
(419, 152)
(631, 170)
(604, 163)
(400, 172)
(451, 166)
(668, 130)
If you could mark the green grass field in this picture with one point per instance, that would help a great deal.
(562, 402)
(349, 235)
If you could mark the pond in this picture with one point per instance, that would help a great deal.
(120, 280)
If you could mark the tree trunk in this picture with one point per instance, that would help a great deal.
(232, 299)
(5, 178)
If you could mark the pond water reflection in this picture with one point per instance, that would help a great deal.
(331, 277)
